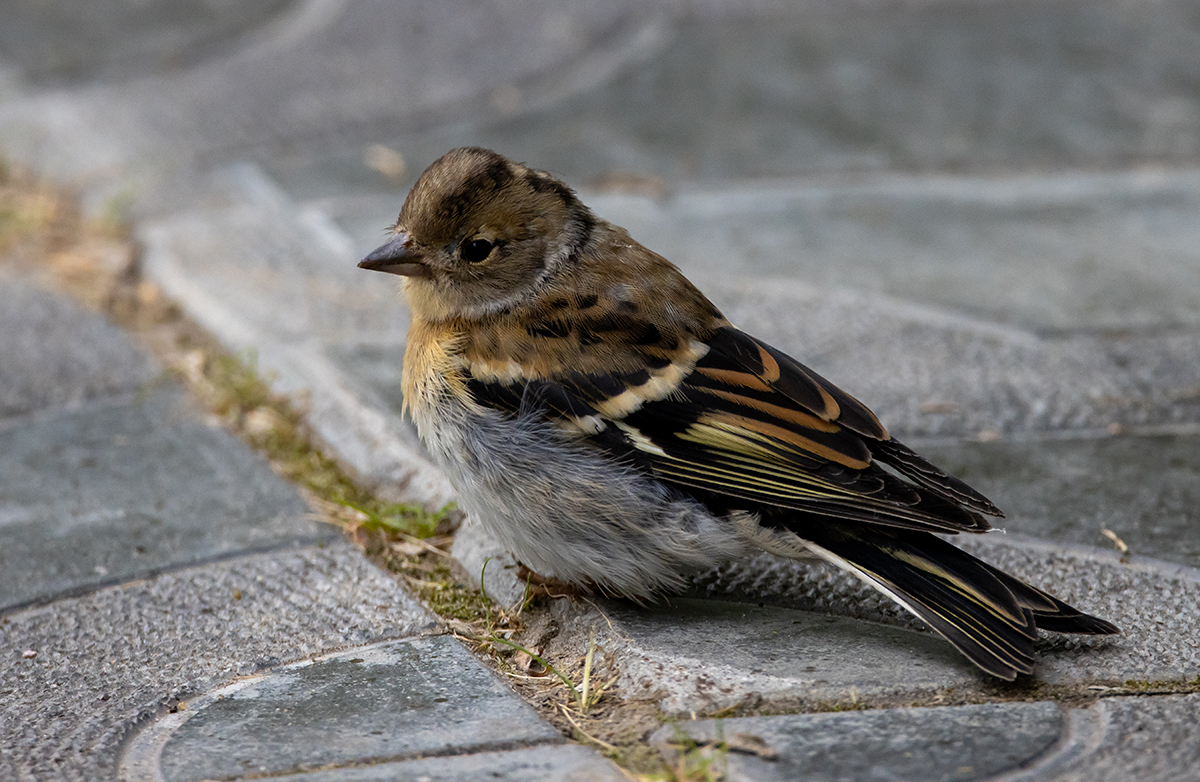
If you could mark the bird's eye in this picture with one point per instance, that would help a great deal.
(475, 250)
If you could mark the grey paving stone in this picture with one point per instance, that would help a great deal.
(1146, 489)
(540, 764)
(284, 86)
(375, 367)
(956, 743)
(1114, 739)
(1156, 605)
(1050, 252)
(617, 87)
(124, 488)
(69, 42)
(405, 698)
(706, 655)
(1126, 738)
(779, 89)
(55, 354)
(111, 660)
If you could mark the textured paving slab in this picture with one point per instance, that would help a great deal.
(110, 474)
(91, 358)
(125, 488)
(792, 90)
(957, 743)
(540, 764)
(777, 89)
(1128, 738)
(440, 61)
(65, 42)
(427, 696)
(1048, 252)
(110, 660)
(927, 372)
(1146, 489)
(706, 655)
(1114, 739)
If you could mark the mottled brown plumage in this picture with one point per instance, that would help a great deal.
(602, 418)
(598, 314)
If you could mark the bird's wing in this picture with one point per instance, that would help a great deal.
(733, 417)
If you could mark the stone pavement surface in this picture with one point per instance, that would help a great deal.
(978, 217)
(155, 573)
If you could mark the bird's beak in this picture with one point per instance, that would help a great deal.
(398, 256)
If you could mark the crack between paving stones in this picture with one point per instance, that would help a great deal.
(1082, 734)
(97, 586)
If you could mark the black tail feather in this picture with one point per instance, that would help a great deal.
(1049, 612)
(989, 616)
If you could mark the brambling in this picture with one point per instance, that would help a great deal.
(604, 421)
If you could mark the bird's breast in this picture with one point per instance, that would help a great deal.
(432, 374)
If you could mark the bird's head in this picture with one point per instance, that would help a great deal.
(479, 233)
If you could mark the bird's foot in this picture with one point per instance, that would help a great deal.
(544, 586)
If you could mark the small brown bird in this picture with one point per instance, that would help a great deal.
(607, 424)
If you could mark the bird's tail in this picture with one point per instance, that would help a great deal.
(988, 615)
